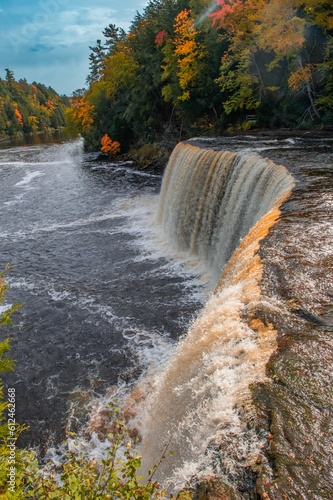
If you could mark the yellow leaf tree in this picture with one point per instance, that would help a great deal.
(120, 70)
(181, 57)
(80, 116)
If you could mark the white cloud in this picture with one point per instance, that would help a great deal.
(65, 28)
(48, 40)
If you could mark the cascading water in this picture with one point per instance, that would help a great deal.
(201, 405)
(210, 199)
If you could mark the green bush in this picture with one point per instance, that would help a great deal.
(78, 477)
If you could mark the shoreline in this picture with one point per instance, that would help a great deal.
(157, 163)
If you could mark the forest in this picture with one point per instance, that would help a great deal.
(29, 108)
(189, 67)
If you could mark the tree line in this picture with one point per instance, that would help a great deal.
(186, 67)
(29, 108)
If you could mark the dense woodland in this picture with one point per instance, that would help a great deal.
(29, 108)
(188, 68)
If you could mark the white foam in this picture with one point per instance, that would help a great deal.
(28, 178)
(136, 172)
(59, 226)
(152, 351)
(153, 246)
(195, 403)
(21, 283)
(4, 308)
(17, 199)
(151, 348)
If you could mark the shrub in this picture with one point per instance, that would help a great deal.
(78, 477)
(109, 146)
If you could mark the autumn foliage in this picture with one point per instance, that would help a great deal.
(190, 67)
(109, 146)
(225, 8)
(160, 38)
(81, 113)
(18, 116)
(29, 108)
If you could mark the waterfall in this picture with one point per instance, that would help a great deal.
(217, 205)
(210, 200)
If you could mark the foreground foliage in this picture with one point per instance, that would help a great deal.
(78, 477)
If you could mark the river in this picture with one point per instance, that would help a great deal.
(96, 301)
(108, 291)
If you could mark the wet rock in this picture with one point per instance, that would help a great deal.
(216, 490)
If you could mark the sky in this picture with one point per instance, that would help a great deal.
(48, 41)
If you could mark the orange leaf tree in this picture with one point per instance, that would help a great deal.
(109, 146)
(80, 116)
(18, 116)
(181, 56)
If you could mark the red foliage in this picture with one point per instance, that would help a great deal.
(226, 7)
(160, 38)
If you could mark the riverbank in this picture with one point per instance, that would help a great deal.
(49, 136)
(153, 158)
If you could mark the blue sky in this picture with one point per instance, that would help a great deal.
(48, 40)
